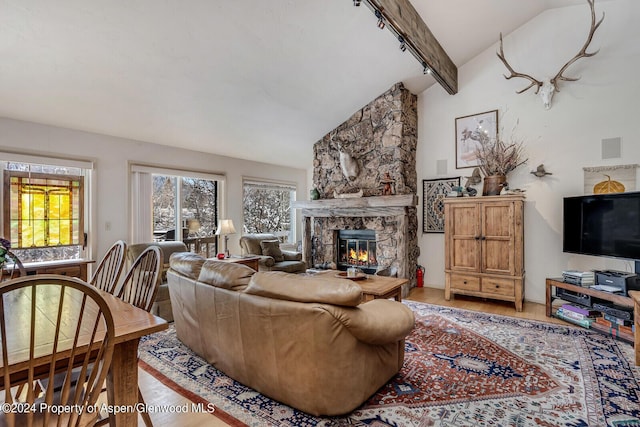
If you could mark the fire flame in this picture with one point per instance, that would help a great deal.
(360, 256)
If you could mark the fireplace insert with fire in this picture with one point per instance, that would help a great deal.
(357, 248)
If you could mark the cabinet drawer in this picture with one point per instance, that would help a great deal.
(467, 283)
(498, 286)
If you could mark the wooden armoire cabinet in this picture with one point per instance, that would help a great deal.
(484, 247)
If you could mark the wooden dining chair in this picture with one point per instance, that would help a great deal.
(140, 285)
(104, 278)
(47, 323)
(139, 289)
(108, 272)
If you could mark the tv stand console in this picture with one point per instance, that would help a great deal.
(608, 296)
(632, 301)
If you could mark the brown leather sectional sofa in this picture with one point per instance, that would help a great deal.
(302, 340)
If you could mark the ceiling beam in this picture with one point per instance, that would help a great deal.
(406, 21)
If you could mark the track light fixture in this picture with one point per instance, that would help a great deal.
(403, 45)
(380, 19)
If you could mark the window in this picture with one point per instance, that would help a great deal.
(176, 205)
(195, 199)
(44, 209)
(267, 208)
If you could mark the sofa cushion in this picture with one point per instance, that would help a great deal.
(272, 248)
(186, 263)
(301, 288)
(291, 256)
(227, 275)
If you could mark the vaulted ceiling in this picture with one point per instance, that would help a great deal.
(259, 80)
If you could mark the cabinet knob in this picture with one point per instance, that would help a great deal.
(483, 238)
(497, 286)
(465, 282)
(477, 237)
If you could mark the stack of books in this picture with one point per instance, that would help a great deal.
(580, 278)
(616, 327)
(578, 315)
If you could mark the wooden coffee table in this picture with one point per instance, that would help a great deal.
(374, 287)
(381, 287)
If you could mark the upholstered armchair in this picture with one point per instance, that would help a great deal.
(272, 257)
(162, 305)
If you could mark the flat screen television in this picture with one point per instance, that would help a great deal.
(603, 225)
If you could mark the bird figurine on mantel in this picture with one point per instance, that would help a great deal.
(540, 172)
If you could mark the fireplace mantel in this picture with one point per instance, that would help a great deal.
(335, 212)
(357, 206)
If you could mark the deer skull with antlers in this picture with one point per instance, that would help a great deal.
(548, 88)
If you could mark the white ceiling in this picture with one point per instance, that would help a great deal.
(255, 79)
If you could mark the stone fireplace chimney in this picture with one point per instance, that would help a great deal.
(365, 172)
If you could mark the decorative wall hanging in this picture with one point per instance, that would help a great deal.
(540, 171)
(547, 88)
(433, 193)
(470, 132)
(609, 179)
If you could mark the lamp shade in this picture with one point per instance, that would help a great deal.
(225, 226)
(193, 225)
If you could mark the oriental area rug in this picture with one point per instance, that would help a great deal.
(461, 368)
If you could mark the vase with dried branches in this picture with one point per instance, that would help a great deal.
(498, 158)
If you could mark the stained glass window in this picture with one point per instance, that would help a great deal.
(44, 210)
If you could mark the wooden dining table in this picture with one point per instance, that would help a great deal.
(131, 323)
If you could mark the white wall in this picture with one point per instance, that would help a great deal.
(112, 157)
(566, 138)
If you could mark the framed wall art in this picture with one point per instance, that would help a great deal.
(433, 193)
(470, 131)
(609, 179)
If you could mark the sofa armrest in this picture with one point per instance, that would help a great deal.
(265, 260)
(380, 321)
(292, 255)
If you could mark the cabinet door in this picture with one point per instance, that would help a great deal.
(498, 238)
(463, 233)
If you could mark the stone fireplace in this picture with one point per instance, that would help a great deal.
(365, 173)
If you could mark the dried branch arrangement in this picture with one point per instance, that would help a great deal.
(498, 157)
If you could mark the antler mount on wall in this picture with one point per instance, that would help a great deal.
(547, 88)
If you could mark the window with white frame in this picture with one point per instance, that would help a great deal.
(175, 205)
(45, 209)
(267, 208)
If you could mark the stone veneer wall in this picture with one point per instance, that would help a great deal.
(382, 138)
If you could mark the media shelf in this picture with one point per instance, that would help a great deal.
(602, 295)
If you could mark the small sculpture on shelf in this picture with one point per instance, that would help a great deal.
(314, 194)
(387, 184)
(474, 179)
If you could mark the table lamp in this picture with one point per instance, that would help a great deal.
(194, 226)
(225, 227)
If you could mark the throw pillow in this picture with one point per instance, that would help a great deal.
(272, 248)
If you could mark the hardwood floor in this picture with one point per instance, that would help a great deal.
(530, 310)
(155, 393)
